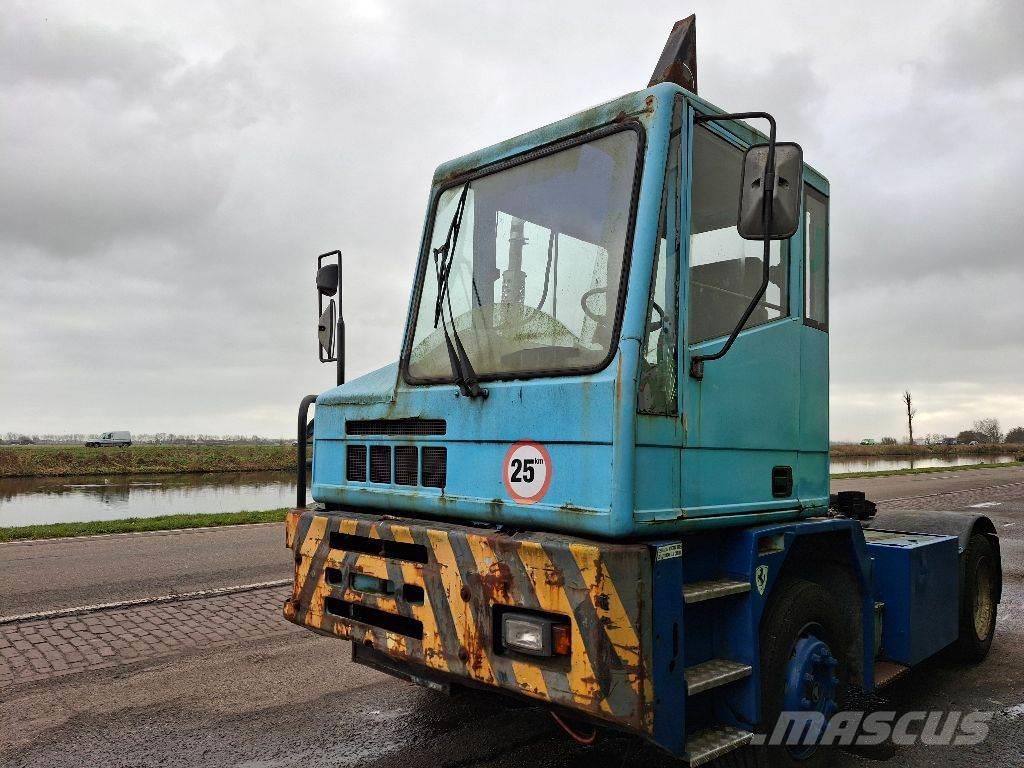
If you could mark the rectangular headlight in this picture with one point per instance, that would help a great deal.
(534, 635)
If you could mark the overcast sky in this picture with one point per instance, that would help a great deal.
(169, 171)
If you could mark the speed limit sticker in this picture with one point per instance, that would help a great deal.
(527, 472)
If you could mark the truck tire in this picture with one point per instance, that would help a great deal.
(803, 637)
(980, 597)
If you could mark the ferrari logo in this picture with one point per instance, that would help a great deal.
(761, 578)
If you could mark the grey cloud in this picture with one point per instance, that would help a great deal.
(114, 137)
(34, 48)
(981, 46)
(170, 173)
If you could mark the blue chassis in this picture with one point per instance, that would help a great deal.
(882, 573)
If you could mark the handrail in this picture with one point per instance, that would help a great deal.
(300, 468)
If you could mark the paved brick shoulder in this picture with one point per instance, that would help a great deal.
(37, 650)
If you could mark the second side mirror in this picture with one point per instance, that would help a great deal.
(785, 209)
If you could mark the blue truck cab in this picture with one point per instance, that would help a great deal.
(597, 475)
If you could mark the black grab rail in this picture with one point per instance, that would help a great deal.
(301, 437)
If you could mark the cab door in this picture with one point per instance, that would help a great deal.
(659, 432)
(741, 420)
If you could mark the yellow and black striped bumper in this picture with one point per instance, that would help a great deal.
(442, 585)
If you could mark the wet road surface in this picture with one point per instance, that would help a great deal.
(61, 573)
(222, 681)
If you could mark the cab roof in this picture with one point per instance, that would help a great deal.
(639, 104)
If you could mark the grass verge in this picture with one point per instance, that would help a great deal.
(136, 524)
(55, 461)
(923, 470)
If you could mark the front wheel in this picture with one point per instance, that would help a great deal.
(803, 637)
(980, 598)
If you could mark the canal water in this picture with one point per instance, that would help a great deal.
(34, 500)
(887, 463)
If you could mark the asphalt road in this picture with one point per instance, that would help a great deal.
(62, 573)
(262, 693)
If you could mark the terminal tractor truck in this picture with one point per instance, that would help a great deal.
(597, 477)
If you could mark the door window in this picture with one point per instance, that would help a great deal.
(658, 368)
(725, 269)
(816, 259)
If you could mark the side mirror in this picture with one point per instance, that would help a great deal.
(325, 332)
(785, 208)
(331, 327)
(327, 280)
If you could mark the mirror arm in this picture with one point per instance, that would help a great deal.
(339, 344)
(767, 204)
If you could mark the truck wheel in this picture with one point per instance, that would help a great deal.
(980, 597)
(803, 633)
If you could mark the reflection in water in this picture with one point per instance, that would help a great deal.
(32, 500)
(885, 463)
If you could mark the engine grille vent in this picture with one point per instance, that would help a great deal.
(396, 427)
(435, 467)
(427, 467)
(355, 463)
(406, 465)
(380, 463)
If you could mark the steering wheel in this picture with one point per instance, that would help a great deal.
(586, 310)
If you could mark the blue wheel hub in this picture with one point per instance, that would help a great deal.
(811, 687)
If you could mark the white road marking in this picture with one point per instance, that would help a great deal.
(83, 609)
(950, 493)
(985, 504)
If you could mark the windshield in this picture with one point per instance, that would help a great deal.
(535, 277)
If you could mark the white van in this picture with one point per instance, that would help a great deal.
(121, 439)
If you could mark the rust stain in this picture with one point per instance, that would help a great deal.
(496, 583)
(554, 577)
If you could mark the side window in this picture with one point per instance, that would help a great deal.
(816, 259)
(725, 269)
(657, 393)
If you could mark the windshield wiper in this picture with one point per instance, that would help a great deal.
(444, 257)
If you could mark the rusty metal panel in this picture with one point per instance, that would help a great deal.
(603, 589)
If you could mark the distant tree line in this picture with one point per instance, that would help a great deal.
(988, 431)
(150, 438)
(982, 432)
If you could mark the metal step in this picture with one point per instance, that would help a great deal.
(705, 746)
(711, 674)
(700, 591)
(887, 672)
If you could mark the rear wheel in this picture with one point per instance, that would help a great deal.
(980, 598)
(803, 635)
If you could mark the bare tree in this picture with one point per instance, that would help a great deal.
(989, 428)
(911, 413)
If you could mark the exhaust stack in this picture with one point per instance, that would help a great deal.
(678, 62)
